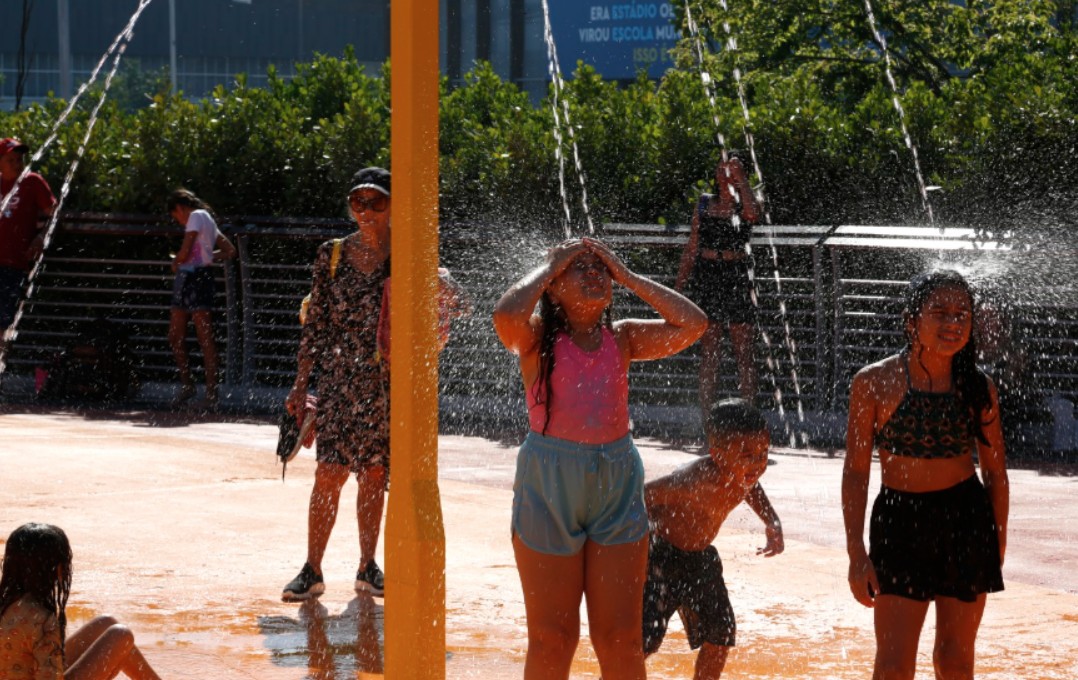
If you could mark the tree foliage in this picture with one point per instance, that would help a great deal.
(987, 87)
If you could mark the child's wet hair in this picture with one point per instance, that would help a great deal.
(735, 416)
(31, 557)
(923, 285)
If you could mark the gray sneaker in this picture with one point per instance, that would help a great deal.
(305, 586)
(371, 579)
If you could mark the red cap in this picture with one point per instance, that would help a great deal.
(9, 144)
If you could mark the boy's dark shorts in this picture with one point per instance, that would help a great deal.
(936, 544)
(193, 290)
(11, 282)
(691, 584)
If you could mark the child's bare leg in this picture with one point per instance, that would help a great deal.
(553, 586)
(898, 623)
(710, 662)
(614, 589)
(710, 360)
(137, 668)
(204, 331)
(107, 649)
(177, 329)
(79, 641)
(956, 632)
(742, 336)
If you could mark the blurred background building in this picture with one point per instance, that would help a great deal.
(51, 46)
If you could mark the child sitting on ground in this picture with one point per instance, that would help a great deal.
(686, 509)
(33, 624)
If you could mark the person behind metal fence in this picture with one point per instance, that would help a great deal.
(579, 527)
(21, 234)
(34, 643)
(193, 290)
(938, 533)
(684, 570)
(714, 272)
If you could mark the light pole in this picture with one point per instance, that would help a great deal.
(415, 535)
(63, 33)
(172, 43)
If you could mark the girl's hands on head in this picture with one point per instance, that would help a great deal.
(619, 272)
(562, 255)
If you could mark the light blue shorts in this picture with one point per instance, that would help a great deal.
(566, 493)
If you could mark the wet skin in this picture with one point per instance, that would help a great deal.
(940, 331)
(689, 506)
(937, 332)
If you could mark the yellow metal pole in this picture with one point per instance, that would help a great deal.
(415, 536)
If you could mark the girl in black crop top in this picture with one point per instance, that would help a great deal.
(714, 272)
(937, 532)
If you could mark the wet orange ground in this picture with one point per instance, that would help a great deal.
(183, 529)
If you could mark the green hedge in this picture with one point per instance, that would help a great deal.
(996, 130)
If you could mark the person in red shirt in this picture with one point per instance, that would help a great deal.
(21, 237)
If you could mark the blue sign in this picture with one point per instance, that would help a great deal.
(617, 38)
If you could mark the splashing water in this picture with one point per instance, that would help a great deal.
(874, 26)
(705, 78)
(559, 86)
(116, 50)
(791, 346)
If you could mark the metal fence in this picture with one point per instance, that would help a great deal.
(829, 300)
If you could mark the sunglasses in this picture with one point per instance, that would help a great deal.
(377, 204)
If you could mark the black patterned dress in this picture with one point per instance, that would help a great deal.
(340, 336)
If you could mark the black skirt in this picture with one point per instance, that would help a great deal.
(936, 544)
(722, 289)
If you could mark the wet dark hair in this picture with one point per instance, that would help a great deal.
(553, 320)
(735, 416)
(31, 556)
(188, 199)
(971, 385)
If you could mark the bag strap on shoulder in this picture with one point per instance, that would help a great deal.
(335, 257)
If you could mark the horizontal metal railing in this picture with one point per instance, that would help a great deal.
(841, 290)
(1034, 359)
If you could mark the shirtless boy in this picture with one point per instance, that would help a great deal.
(687, 508)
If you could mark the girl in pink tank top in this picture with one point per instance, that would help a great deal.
(593, 393)
(579, 525)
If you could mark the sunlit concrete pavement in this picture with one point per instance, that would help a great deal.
(182, 528)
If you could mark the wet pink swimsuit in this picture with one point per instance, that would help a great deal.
(591, 394)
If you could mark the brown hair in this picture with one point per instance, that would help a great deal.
(188, 199)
